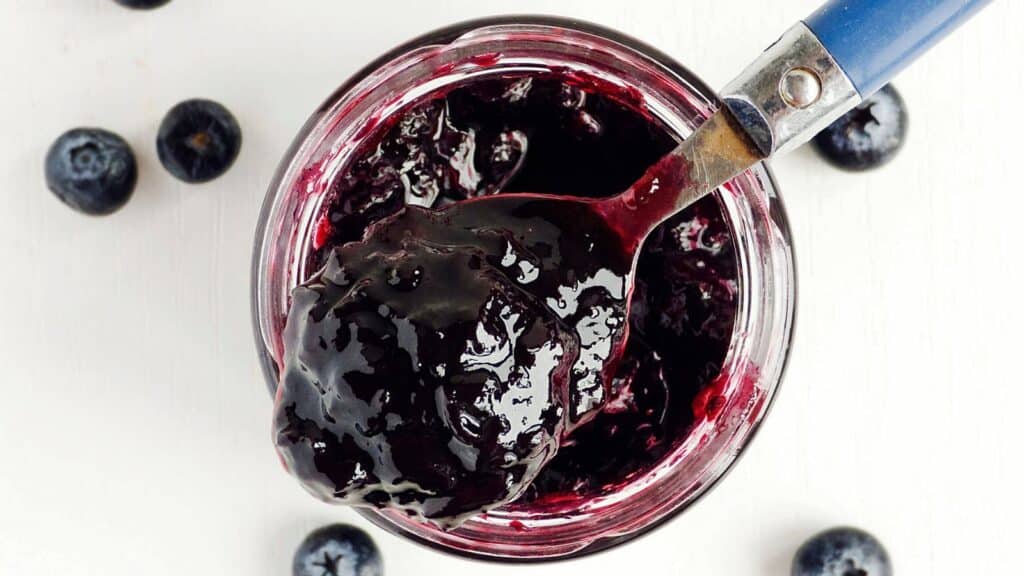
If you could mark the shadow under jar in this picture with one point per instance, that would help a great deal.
(555, 106)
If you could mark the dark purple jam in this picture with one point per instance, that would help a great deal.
(396, 394)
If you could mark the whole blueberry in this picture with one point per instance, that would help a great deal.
(867, 136)
(337, 550)
(842, 552)
(198, 140)
(142, 4)
(91, 170)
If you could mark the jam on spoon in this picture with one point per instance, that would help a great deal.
(451, 351)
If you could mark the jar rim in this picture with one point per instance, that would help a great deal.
(759, 181)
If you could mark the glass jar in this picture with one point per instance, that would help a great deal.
(766, 285)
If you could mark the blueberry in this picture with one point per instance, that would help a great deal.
(142, 4)
(198, 140)
(842, 552)
(867, 136)
(337, 550)
(91, 170)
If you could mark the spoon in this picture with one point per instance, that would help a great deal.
(511, 309)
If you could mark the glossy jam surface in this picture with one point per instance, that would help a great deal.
(436, 364)
(446, 407)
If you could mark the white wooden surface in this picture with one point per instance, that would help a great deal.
(134, 426)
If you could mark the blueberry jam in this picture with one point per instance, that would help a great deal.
(531, 389)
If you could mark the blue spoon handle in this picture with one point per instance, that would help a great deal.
(872, 40)
(826, 65)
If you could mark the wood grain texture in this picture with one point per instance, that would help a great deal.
(134, 427)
